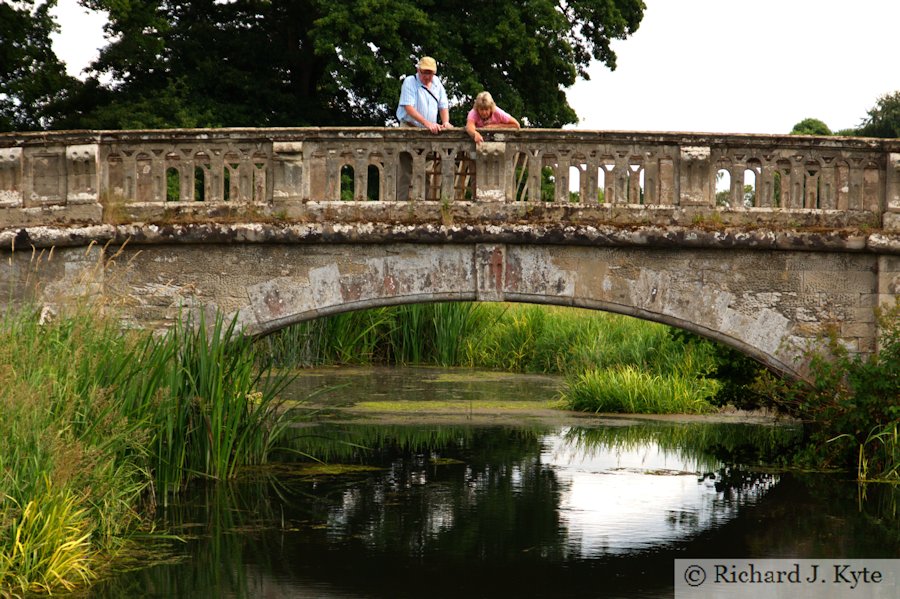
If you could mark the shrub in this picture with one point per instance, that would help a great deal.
(851, 405)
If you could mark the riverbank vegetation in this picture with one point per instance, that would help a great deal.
(852, 405)
(99, 426)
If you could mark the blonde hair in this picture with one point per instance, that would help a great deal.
(484, 100)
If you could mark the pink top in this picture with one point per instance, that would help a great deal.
(498, 117)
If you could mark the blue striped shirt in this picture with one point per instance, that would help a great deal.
(414, 94)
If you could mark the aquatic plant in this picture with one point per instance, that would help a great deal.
(411, 334)
(627, 389)
(208, 405)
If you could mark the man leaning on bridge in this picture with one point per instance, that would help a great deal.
(422, 99)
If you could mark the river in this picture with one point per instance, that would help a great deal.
(461, 484)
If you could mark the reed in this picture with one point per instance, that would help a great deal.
(411, 334)
(454, 324)
(878, 457)
(99, 423)
(570, 340)
(627, 389)
(210, 408)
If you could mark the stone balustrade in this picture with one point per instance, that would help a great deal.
(312, 174)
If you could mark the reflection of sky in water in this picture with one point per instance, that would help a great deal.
(633, 499)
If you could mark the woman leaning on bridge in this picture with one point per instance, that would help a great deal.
(486, 114)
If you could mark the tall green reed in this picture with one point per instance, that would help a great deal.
(98, 423)
(210, 405)
(411, 334)
(630, 390)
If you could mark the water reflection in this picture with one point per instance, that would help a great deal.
(643, 498)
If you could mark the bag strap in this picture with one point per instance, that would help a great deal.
(430, 93)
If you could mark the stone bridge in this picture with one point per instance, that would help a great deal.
(761, 242)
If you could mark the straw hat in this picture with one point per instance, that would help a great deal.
(427, 63)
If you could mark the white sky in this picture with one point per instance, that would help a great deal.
(739, 66)
(727, 66)
(80, 36)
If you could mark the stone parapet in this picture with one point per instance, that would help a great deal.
(89, 177)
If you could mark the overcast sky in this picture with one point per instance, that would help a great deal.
(728, 66)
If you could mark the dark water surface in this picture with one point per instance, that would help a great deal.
(587, 508)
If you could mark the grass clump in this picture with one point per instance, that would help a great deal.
(99, 425)
(47, 544)
(627, 389)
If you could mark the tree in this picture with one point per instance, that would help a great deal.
(884, 118)
(811, 127)
(307, 62)
(34, 86)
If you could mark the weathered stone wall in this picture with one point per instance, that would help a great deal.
(767, 303)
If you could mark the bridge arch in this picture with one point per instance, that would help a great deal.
(549, 300)
(767, 304)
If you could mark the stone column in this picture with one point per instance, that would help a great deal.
(891, 218)
(490, 160)
(360, 174)
(291, 182)
(534, 166)
(448, 171)
(694, 177)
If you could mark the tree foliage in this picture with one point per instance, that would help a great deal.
(884, 118)
(34, 87)
(205, 63)
(811, 127)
